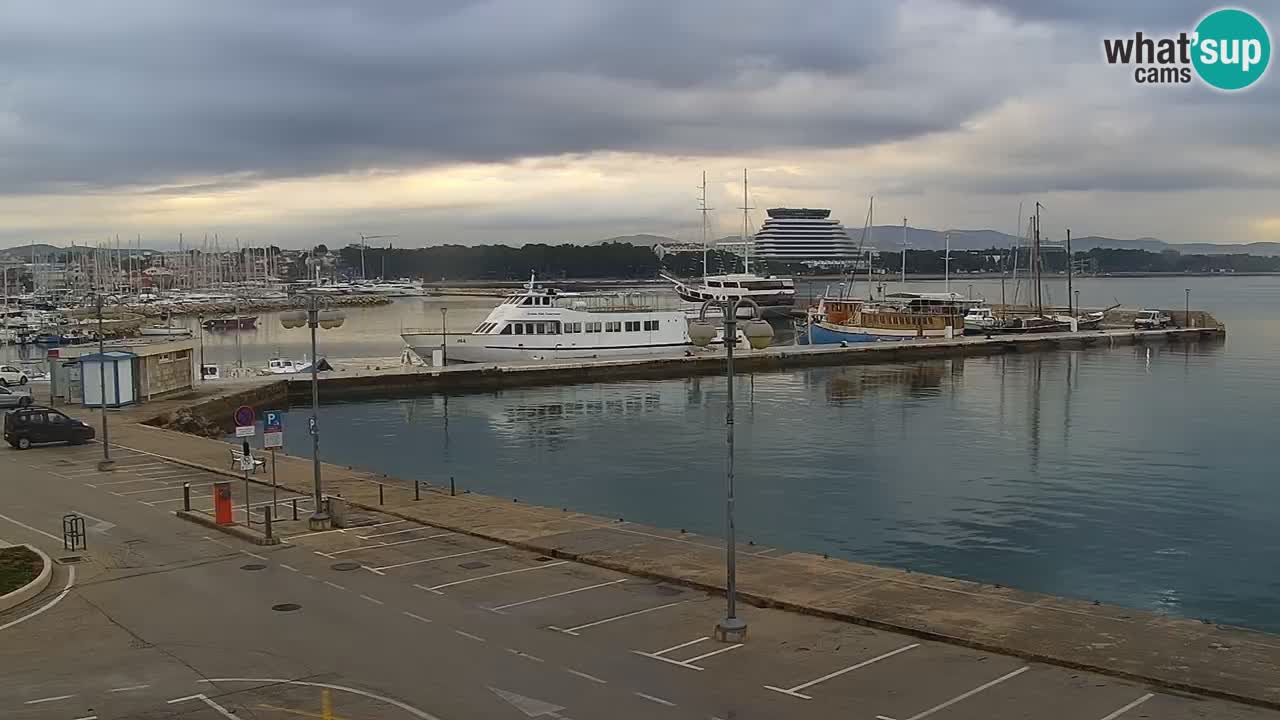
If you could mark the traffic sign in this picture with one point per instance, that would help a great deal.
(272, 429)
(244, 415)
(243, 431)
(311, 426)
(246, 463)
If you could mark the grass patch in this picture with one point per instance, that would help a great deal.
(18, 566)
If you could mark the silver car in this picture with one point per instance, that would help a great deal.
(11, 399)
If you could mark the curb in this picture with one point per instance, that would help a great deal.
(31, 589)
(236, 531)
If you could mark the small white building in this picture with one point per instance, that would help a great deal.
(115, 368)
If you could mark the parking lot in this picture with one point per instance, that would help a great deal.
(794, 663)
(791, 664)
(159, 483)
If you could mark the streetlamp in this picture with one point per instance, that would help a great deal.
(200, 326)
(1186, 315)
(444, 333)
(313, 317)
(106, 462)
(759, 333)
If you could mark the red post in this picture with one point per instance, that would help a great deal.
(222, 503)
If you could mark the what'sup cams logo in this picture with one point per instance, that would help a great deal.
(1228, 50)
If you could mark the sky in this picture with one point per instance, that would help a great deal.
(296, 122)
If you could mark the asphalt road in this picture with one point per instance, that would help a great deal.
(163, 618)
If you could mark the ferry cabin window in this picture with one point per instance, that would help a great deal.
(650, 324)
(613, 326)
(633, 326)
(506, 330)
(593, 327)
(519, 328)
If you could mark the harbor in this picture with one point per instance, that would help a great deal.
(1212, 659)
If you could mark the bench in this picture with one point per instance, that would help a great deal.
(235, 460)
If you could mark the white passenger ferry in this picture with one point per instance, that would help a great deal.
(539, 323)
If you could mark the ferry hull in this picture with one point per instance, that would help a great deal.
(492, 349)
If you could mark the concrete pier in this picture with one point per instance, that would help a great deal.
(395, 382)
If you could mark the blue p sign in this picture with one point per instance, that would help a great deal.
(272, 421)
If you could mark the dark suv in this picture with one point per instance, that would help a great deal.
(30, 425)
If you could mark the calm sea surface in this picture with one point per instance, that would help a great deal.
(1141, 477)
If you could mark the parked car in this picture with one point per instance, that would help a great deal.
(1151, 320)
(10, 375)
(28, 426)
(11, 399)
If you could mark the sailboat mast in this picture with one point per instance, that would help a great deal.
(746, 224)
(703, 207)
(903, 279)
(1035, 262)
(1071, 310)
(946, 264)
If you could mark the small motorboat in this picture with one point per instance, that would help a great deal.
(243, 322)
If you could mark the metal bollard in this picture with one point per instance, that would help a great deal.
(295, 508)
(186, 496)
(266, 521)
(451, 490)
(379, 493)
(417, 490)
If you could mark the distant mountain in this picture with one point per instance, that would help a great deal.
(889, 238)
(23, 252)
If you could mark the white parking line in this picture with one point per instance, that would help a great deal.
(1129, 707)
(433, 559)
(375, 546)
(964, 696)
(419, 618)
(121, 482)
(574, 630)
(652, 698)
(202, 698)
(127, 689)
(795, 691)
(466, 634)
(160, 489)
(393, 532)
(585, 676)
(54, 538)
(338, 530)
(55, 698)
(437, 588)
(334, 585)
(373, 600)
(690, 662)
(153, 503)
(500, 608)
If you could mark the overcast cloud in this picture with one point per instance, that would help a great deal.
(297, 121)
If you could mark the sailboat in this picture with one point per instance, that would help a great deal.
(766, 291)
(1038, 322)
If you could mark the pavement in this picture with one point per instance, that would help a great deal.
(159, 617)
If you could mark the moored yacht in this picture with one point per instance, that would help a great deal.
(539, 323)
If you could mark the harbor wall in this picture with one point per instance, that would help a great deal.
(481, 378)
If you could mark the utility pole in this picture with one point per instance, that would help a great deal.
(1071, 309)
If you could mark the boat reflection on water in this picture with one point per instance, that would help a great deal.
(923, 380)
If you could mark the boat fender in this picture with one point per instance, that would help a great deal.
(844, 343)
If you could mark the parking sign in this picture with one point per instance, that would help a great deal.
(273, 429)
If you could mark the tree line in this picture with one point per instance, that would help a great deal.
(623, 260)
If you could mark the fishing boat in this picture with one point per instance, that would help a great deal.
(242, 322)
(539, 323)
(285, 366)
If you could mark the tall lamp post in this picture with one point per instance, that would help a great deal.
(444, 336)
(106, 462)
(314, 317)
(759, 334)
(200, 327)
(1186, 316)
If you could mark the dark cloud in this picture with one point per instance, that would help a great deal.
(143, 92)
